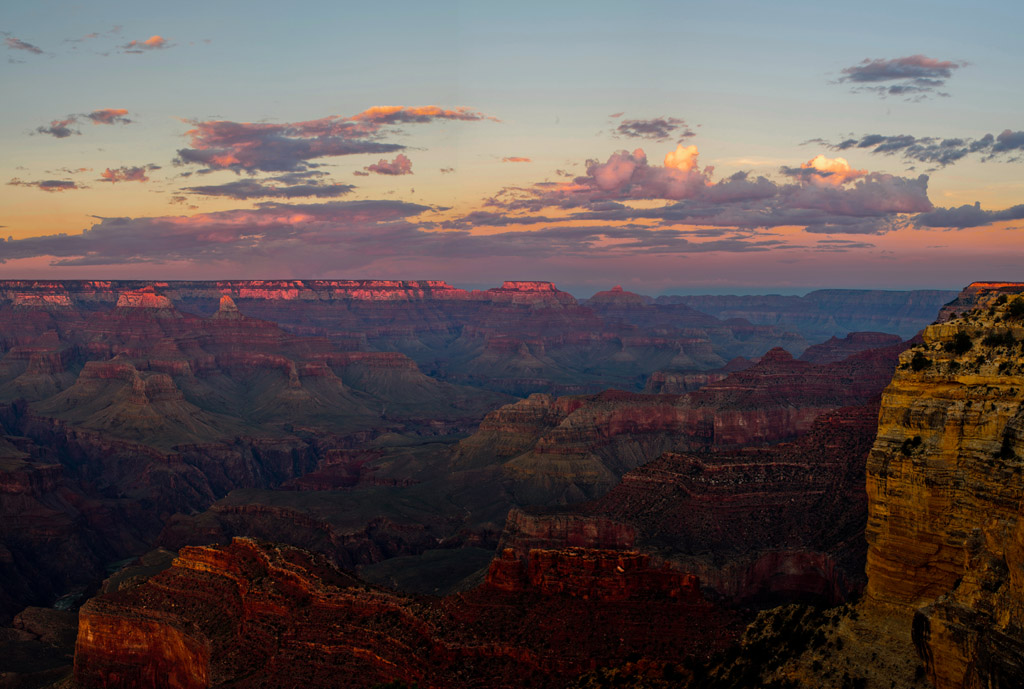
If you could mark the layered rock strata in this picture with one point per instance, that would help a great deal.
(945, 485)
(252, 614)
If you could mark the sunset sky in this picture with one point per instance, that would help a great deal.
(665, 146)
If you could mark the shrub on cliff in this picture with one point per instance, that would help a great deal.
(1016, 309)
(960, 344)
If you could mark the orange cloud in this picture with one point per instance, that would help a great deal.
(833, 170)
(684, 158)
(516, 159)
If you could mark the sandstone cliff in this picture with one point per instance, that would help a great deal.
(945, 484)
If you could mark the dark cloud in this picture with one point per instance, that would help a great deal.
(401, 165)
(657, 129)
(967, 216)
(915, 76)
(59, 128)
(62, 128)
(936, 151)
(343, 236)
(252, 189)
(47, 184)
(109, 116)
(18, 44)
(247, 146)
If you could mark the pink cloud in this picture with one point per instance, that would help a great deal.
(126, 174)
(109, 116)
(18, 44)
(516, 159)
(401, 165)
(292, 146)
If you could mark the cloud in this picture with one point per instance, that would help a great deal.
(151, 43)
(343, 236)
(828, 196)
(109, 116)
(1007, 146)
(18, 44)
(914, 75)
(823, 170)
(62, 128)
(47, 184)
(127, 174)
(401, 165)
(59, 128)
(967, 216)
(516, 159)
(252, 189)
(657, 129)
(247, 146)
(400, 114)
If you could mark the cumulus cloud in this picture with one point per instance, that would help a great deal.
(127, 174)
(1008, 145)
(18, 44)
(47, 184)
(827, 196)
(967, 216)
(656, 129)
(915, 76)
(401, 165)
(151, 43)
(247, 146)
(823, 170)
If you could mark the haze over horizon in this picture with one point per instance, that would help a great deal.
(673, 148)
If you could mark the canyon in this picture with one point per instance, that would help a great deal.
(352, 456)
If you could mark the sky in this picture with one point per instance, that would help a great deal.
(669, 147)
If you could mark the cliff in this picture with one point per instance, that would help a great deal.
(256, 614)
(945, 483)
(569, 449)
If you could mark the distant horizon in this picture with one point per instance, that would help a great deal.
(577, 291)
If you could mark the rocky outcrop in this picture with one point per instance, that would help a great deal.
(271, 616)
(945, 484)
(575, 448)
(836, 349)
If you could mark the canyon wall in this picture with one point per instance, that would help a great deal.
(945, 484)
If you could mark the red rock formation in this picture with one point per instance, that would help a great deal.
(836, 349)
(571, 449)
(272, 616)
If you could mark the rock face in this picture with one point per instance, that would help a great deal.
(519, 338)
(119, 414)
(945, 484)
(252, 614)
(569, 449)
